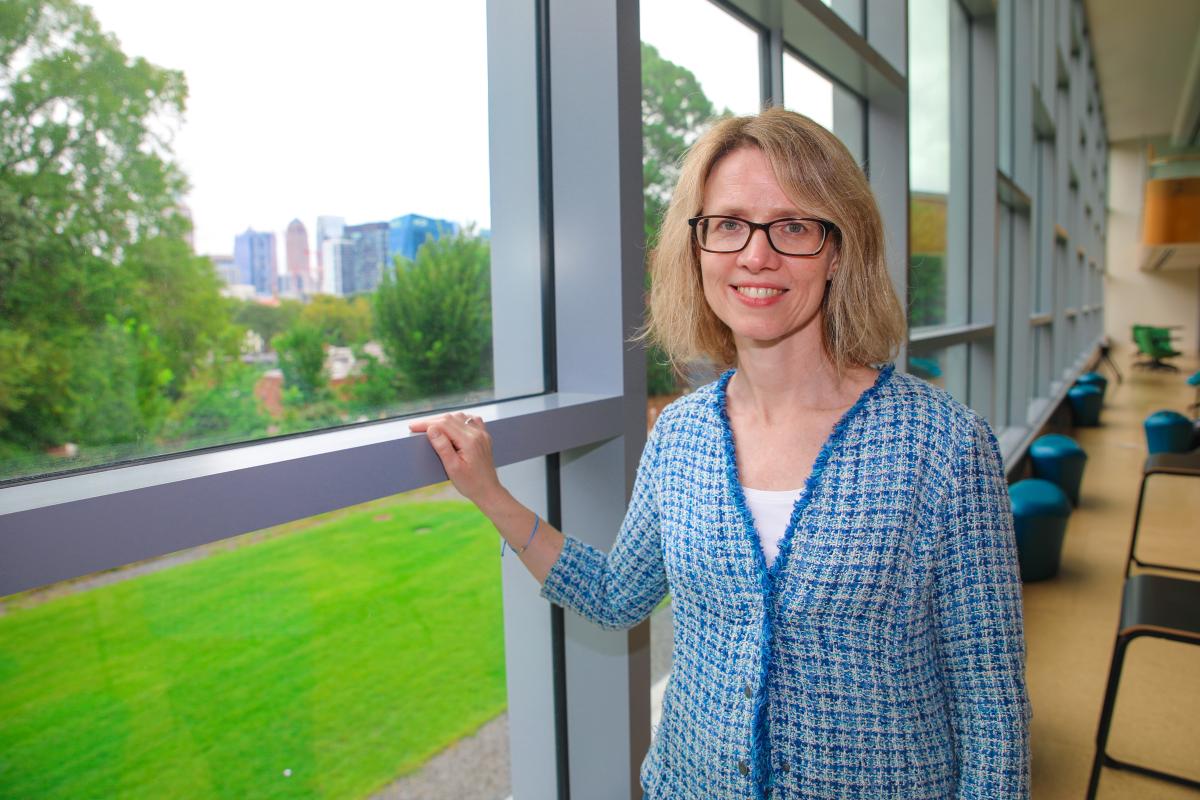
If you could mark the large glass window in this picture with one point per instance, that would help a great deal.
(938, 167)
(322, 658)
(259, 229)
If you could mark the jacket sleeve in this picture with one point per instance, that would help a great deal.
(621, 588)
(977, 603)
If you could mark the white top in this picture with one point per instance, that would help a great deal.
(771, 511)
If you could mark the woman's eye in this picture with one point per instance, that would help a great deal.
(795, 228)
(729, 225)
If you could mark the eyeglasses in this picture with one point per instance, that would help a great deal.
(790, 237)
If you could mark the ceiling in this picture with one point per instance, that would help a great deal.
(1147, 54)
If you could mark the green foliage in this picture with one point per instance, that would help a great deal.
(434, 316)
(380, 385)
(106, 313)
(927, 290)
(116, 384)
(302, 359)
(84, 128)
(268, 321)
(219, 406)
(334, 651)
(342, 321)
(179, 296)
(674, 113)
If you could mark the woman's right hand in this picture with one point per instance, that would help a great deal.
(465, 448)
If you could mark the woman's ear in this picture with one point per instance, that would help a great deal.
(833, 265)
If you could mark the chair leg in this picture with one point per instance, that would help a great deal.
(1137, 520)
(1106, 713)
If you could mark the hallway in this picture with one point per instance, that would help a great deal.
(1071, 620)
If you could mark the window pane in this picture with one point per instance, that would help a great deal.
(719, 50)
(323, 658)
(262, 240)
(938, 163)
(810, 93)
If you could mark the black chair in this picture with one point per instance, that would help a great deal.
(1186, 464)
(1153, 605)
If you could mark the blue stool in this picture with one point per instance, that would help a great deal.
(1168, 432)
(1093, 379)
(1060, 460)
(1040, 513)
(1085, 405)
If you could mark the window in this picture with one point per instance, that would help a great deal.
(938, 168)
(291, 245)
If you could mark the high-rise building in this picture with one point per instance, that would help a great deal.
(367, 258)
(254, 254)
(226, 268)
(406, 234)
(328, 227)
(299, 271)
(335, 255)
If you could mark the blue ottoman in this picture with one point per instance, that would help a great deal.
(1168, 432)
(1060, 460)
(1040, 513)
(1093, 379)
(1085, 405)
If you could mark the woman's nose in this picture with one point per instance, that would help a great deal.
(758, 253)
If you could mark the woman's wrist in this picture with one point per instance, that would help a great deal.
(495, 502)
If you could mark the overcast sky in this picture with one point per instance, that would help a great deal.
(370, 110)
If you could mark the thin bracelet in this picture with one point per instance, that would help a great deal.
(504, 542)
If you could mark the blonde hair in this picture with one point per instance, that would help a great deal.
(863, 319)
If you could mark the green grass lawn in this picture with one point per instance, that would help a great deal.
(347, 652)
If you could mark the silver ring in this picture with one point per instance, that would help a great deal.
(468, 422)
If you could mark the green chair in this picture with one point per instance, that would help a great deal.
(1155, 345)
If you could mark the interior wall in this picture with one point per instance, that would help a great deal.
(1167, 297)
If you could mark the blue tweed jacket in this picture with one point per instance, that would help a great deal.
(881, 655)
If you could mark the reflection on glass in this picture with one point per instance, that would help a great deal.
(810, 93)
(938, 142)
(944, 367)
(243, 240)
(323, 658)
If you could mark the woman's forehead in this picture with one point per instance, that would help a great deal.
(743, 182)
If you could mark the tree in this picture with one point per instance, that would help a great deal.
(674, 113)
(268, 321)
(86, 184)
(342, 321)
(302, 359)
(219, 405)
(434, 317)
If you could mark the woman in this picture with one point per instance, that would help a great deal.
(836, 538)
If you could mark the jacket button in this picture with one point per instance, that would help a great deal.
(749, 691)
(786, 767)
(744, 767)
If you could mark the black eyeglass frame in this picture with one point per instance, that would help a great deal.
(826, 228)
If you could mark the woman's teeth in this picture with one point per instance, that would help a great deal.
(757, 291)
